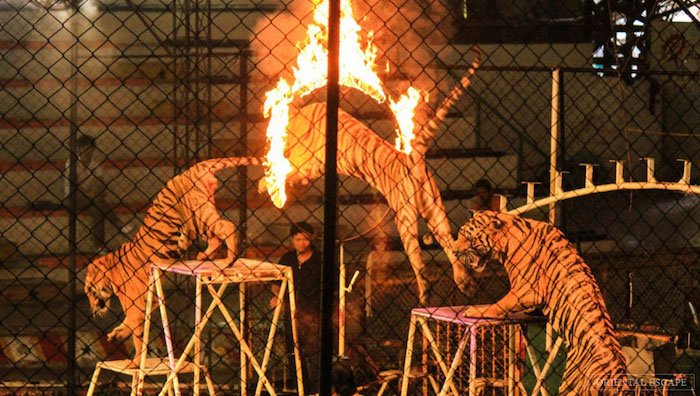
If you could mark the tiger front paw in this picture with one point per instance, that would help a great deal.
(475, 311)
(119, 333)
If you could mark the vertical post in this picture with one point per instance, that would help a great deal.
(650, 170)
(472, 359)
(243, 149)
(687, 165)
(330, 201)
(341, 303)
(210, 55)
(73, 215)
(554, 144)
(589, 175)
(553, 151)
(176, 85)
(243, 200)
(198, 342)
(561, 156)
(197, 41)
(243, 357)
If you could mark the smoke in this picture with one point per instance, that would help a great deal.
(275, 39)
(406, 34)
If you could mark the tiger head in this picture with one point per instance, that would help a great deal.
(98, 287)
(475, 245)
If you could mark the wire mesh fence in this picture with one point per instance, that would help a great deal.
(580, 115)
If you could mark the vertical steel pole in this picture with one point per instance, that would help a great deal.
(553, 144)
(553, 174)
(210, 55)
(73, 215)
(176, 85)
(243, 147)
(342, 284)
(328, 273)
(242, 172)
(561, 138)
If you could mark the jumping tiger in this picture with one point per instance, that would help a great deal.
(546, 272)
(183, 211)
(405, 181)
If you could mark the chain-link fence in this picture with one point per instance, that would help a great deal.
(569, 113)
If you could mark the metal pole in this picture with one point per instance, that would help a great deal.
(176, 85)
(210, 55)
(553, 174)
(242, 196)
(341, 303)
(561, 123)
(554, 144)
(328, 272)
(243, 148)
(73, 215)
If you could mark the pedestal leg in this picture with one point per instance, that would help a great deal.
(472, 360)
(243, 358)
(198, 341)
(93, 381)
(271, 334)
(433, 345)
(409, 355)
(243, 343)
(146, 331)
(469, 332)
(295, 336)
(190, 344)
(166, 328)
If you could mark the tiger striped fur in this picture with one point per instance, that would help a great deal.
(183, 211)
(546, 272)
(406, 183)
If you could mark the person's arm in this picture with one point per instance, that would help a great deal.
(275, 288)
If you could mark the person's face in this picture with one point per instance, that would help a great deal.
(483, 193)
(301, 243)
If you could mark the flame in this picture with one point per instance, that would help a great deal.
(404, 110)
(357, 70)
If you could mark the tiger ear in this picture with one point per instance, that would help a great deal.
(494, 224)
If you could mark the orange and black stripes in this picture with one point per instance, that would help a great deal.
(183, 211)
(406, 183)
(546, 272)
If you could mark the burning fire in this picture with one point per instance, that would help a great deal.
(357, 70)
(404, 111)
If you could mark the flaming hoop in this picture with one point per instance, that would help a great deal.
(357, 70)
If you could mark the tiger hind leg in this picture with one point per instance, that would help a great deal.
(407, 224)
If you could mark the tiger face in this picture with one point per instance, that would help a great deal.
(475, 244)
(98, 288)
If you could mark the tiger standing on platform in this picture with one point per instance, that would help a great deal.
(182, 212)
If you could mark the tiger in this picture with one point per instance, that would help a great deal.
(547, 273)
(406, 182)
(183, 211)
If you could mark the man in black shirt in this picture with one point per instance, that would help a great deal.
(305, 261)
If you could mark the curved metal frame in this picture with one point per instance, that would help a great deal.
(682, 186)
